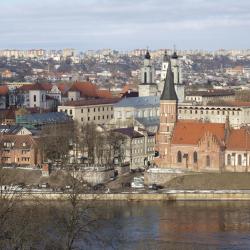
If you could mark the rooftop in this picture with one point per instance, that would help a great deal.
(90, 102)
(211, 93)
(239, 139)
(139, 102)
(184, 132)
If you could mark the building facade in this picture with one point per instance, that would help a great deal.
(97, 111)
(139, 147)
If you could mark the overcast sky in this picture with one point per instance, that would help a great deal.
(125, 24)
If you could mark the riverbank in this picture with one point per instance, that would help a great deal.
(170, 195)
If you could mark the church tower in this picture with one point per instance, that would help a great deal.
(175, 66)
(168, 116)
(179, 87)
(147, 87)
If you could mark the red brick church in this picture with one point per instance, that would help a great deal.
(199, 146)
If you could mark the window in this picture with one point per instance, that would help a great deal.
(81, 110)
(229, 160)
(239, 160)
(94, 117)
(88, 118)
(208, 161)
(145, 77)
(102, 108)
(179, 157)
(34, 97)
(70, 111)
(88, 110)
(82, 119)
(195, 157)
(98, 109)
(94, 109)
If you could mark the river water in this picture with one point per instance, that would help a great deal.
(173, 225)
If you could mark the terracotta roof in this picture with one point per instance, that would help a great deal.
(88, 89)
(104, 94)
(91, 102)
(46, 86)
(191, 132)
(28, 87)
(4, 90)
(239, 139)
(63, 87)
(85, 88)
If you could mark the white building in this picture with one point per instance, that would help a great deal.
(97, 111)
(148, 87)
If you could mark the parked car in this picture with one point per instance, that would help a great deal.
(155, 186)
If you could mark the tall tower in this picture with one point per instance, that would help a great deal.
(147, 86)
(179, 87)
(168, 116)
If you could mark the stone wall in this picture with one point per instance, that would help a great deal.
(160, 178)
(95, 177)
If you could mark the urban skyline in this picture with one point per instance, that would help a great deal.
(97, 24)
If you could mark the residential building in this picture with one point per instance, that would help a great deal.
(139, 146)
(21, 150)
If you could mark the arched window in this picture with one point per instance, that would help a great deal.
(239, 160)
(145, 77)
(228, 160)
(179, 157)
(195, 157)
(208, 161)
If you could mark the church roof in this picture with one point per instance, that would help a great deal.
(189, 133)
(168, 92)
(239, 139)
(139, 102)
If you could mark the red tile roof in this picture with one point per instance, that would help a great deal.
(189, 133)
(104, 94)
(239, 139)
(88, 89)
(28, 87)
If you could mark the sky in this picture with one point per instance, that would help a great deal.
(124, 24)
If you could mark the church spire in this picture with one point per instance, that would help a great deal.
(168, 92)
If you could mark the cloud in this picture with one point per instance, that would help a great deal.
(112, 22)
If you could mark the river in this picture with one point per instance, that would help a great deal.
(173, 225)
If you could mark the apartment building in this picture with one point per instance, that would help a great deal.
(139, 149)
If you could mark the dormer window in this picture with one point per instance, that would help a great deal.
(24, 144)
